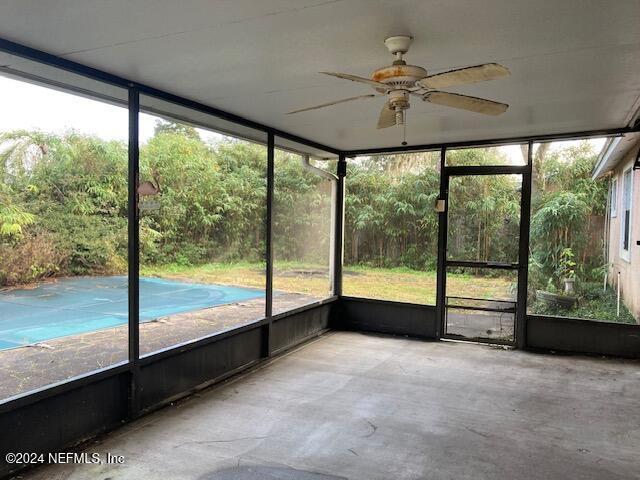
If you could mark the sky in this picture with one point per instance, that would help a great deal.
(27, 106)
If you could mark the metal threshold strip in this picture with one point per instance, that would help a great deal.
(473, 264)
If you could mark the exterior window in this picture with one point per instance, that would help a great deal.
(626, 212)
(614, 197)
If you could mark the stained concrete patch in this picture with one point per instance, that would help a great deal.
(267, 473)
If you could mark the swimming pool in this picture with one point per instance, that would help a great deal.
(70, 306)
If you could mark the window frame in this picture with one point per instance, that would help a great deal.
(625, 253)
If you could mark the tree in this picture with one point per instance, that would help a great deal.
(64, 197)
(563, 210)
(183, 129)
(21, 150)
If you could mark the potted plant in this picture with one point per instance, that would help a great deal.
(567, 271)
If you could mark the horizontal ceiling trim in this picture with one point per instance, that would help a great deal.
(610, 132)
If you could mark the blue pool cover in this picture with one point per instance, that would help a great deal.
(70, 306)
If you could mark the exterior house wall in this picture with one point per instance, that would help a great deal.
(629, 269)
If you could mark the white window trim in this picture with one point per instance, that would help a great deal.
(614, 197)
(626, 254)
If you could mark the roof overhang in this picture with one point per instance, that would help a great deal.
(614, 151)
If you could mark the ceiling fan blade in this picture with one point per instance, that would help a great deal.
(356, 78)
(387, 117)
(328, 104)
(461, 76)
(465, 102)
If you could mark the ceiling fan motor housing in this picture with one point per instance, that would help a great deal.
(399, 76)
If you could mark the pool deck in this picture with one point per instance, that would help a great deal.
(27, 368)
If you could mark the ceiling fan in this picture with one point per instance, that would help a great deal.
(399, 80)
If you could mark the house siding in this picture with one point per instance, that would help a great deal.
(629, 270)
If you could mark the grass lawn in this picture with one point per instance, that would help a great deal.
(405, 285)
(288, 277)
(398, 284)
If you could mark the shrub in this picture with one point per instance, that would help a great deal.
(95, 244)
(33, 258)
(590, 291)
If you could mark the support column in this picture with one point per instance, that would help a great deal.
(339, 226)
(266, 345)
(523, 251)
(134, 252)
(441, 277)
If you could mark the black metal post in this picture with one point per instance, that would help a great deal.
(339, 227)
(266, 347)
(441, 274)
(523, 250)
(269, 226)
(133, 252)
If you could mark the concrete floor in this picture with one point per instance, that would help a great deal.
(358, 406)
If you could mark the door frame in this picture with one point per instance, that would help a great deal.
(446, 172)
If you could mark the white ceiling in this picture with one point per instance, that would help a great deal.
(575, 63)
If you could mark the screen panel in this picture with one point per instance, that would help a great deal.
(305, 188)
(391, 227)
(577, 257)
(63, 226)
(484, 218)
(515, 154)
(202, 226)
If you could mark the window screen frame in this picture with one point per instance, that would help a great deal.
(626, 227)
(614, 197)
